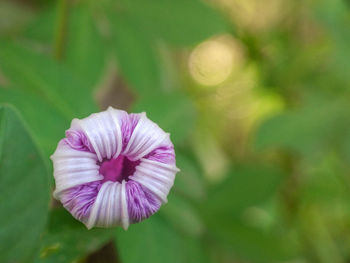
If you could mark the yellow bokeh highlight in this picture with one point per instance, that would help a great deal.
(213, 61)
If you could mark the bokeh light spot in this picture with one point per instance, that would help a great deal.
(212, 61)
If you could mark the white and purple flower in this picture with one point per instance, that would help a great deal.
(113, 168)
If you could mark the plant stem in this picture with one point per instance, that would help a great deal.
(60, 31)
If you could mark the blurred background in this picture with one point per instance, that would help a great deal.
(254, 93)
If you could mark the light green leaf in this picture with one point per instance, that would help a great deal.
(136, 55)
(68, 240)
(24, 190)
(180, 22)
(173, 112)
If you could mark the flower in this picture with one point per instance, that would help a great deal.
(113, 168)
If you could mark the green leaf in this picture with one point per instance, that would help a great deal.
(149, 241)
(324, 183)
(181, 22)
(47, 123)
(173, 112)
(68, 240)
(228, 222)
(334, 19)
(188, 181)
(24, 190)
(136, 55)
(42, 28)
(307, 130)
(247, 242)
(244, 186)
(154, 241)
(43, 76)
(182, 215)
(84, 49)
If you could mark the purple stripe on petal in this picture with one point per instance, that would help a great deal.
(141, 202)
(163, 154)
(78, 200)
(128, 124)
(78, 141)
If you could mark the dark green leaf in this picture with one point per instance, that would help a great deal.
(45, 121)
(24, 190)
(154, 241)
(41, 75)
(150, 241)
(245, 186)
(84, 49)
(68, 240)
(247, 242)
(227, 220)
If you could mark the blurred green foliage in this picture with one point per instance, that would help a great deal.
(263, 152)
(24, 189)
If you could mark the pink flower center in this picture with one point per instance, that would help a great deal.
(117, 169)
